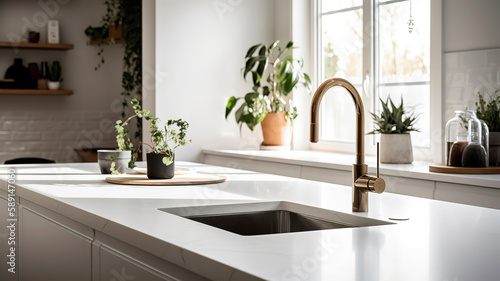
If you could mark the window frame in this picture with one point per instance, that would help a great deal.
(370, 33)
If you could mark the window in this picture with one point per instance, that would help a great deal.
(369, 40)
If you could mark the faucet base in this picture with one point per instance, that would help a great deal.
(359, 196)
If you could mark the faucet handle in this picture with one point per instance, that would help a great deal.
(372, 184)
(378, 160)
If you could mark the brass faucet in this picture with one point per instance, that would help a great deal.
(362, 183)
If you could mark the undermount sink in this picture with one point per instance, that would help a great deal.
(271, 217)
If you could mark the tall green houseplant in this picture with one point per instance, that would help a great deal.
(275, 74)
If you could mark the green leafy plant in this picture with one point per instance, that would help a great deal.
(166, 139)
(489, 111)
(163, 140)
(393, 120)
(123, 135)
(55, 72)
(284, 74)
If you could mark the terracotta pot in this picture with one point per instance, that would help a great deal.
(115, 31)
(276, 130)
(396, 149)
(156, 169)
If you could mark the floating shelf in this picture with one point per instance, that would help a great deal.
(34, 92)
(46, 46)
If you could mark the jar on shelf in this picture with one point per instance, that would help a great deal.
(459, 135)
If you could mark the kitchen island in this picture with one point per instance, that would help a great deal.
(124, 234)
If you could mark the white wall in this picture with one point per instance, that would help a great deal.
(51, 126)
(470, 25)
(200, 49)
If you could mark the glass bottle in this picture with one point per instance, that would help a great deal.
(456, 138)
(474, 154)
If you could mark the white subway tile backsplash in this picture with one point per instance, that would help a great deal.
(54, 135)
(26, 135)
(493, 57)
(5, 136)
(464, 74)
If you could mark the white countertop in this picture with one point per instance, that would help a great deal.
(440, 241)
(341, 161)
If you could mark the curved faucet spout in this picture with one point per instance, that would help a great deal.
(360, 114)
(362, 183)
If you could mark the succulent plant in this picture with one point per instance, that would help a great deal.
(393, 120)
(55, 72)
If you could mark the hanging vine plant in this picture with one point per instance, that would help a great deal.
(128, 14)
(131, 14)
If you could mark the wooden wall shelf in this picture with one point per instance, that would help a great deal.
(34, 92)
(45, 46)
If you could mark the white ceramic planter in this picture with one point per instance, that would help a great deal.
(53, 85)
(121, 160)
(396, 149)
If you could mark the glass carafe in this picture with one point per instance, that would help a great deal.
(456, 138)
(474, 154)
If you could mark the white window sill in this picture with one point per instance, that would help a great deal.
(343, 162)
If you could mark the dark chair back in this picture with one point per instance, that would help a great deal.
(29, 160)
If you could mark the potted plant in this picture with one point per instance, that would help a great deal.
(55, 78)
(489, 112)
(394, 124)
(164, 141)
(122, 159)
(275, 74)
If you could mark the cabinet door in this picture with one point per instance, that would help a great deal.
(115, 266)
(5, 234)
(52, 251)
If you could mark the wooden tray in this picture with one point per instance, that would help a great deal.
(464, 170)
(187, 179)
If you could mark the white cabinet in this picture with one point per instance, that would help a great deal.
(51, 249)
(115, 265)
(255, 165)
(424, 188)
(468, 194)
(114, 260)
(5, 234)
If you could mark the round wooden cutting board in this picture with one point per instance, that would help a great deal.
(187, 179)
(464, 170)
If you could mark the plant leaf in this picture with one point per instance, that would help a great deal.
(230, 105)
(251, 50)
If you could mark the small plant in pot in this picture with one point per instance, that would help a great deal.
(122, 159)
(394, 124)
(55, 76)
(488, 110)
(164, 141)
(271, 104)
